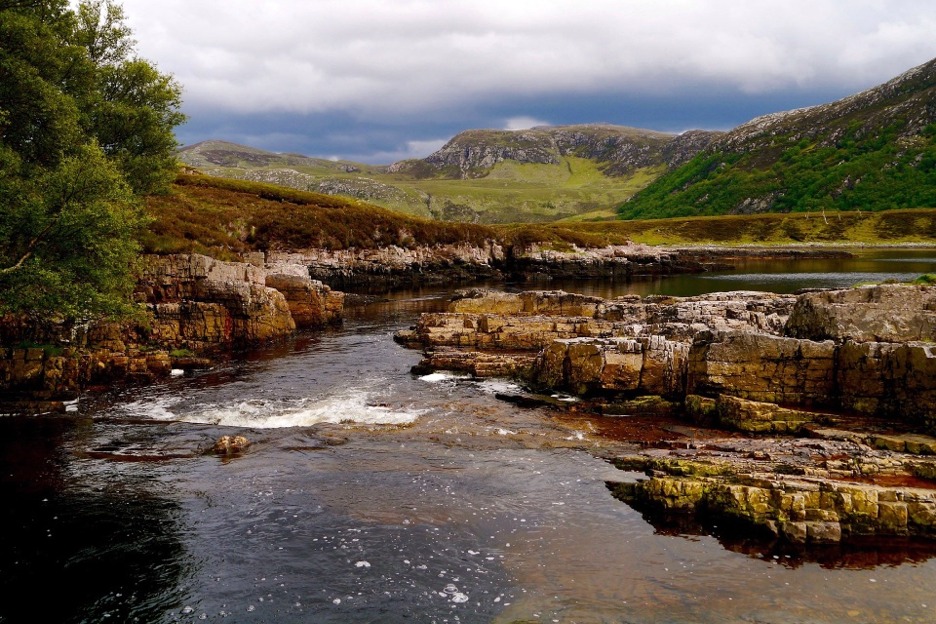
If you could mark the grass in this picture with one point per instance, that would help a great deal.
(846, 167)
(514, 192)
(225, 218)
(510, 192)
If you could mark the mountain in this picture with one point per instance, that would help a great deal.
(484, 176)
(874, 150)
(224, 154)
(618, 150)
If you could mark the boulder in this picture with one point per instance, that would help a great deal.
(646, 365)
(312, 304)
(762, 367)
(882, 313)
(230, 445)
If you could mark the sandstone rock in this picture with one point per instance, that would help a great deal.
(796, 510)
(478, 364)
(198, 302)
(647, 365)
(230, 445)
(194, 302)
(760, 417)
(763, 368)
(883, 313)
(311, 303)
(394, 266)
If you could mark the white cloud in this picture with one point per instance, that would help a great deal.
(378, 58)
(523, 123)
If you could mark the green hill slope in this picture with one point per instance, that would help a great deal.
(226, 218)
(875, 150)
(480, 176)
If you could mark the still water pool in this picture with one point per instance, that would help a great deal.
(371, 494)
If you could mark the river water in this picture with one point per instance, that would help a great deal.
(370, 494)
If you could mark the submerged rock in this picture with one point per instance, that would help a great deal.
(230, 445)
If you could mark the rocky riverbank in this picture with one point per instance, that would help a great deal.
(192, 308)
(809, 417)
(396, 267)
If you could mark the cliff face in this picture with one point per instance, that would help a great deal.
(192, 306)
(619, 150)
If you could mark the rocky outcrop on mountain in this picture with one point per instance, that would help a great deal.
(870, 151)
(905, 102)
(762, 365)
(684, 146)
(192, 306)
(619, 149)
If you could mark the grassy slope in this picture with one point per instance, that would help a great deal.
(859, 170)
(223, 218)
(226, 217)
(510, 192)
(529, 192)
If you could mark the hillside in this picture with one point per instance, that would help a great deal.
(226, 218)
(617, 150)
(874, 150)
(480, 176)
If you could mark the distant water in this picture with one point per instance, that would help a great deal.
(370, 494)
(868, 267)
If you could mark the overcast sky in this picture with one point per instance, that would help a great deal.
(381, 80)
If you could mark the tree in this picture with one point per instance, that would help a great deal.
(132, 108)
(86, 128)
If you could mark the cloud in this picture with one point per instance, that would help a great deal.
(408, 56)
(380, 81)
(523, 123)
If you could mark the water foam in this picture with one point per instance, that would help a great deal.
(440, 377)
(350, 406)
(496, 385)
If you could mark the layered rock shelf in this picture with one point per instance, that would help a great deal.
(394, 267)
(812, 417)
(193, 308)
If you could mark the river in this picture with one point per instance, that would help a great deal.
(370, 494)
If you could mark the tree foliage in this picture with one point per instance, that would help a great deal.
(86, 127)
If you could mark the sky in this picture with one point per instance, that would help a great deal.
(377, 81)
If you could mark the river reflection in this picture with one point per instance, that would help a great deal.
(78, 551)
(370, 494)
(865, 267)
(855, 554)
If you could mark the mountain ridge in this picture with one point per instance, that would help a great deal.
(619, 150)
(872, 150)
(489, 176)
